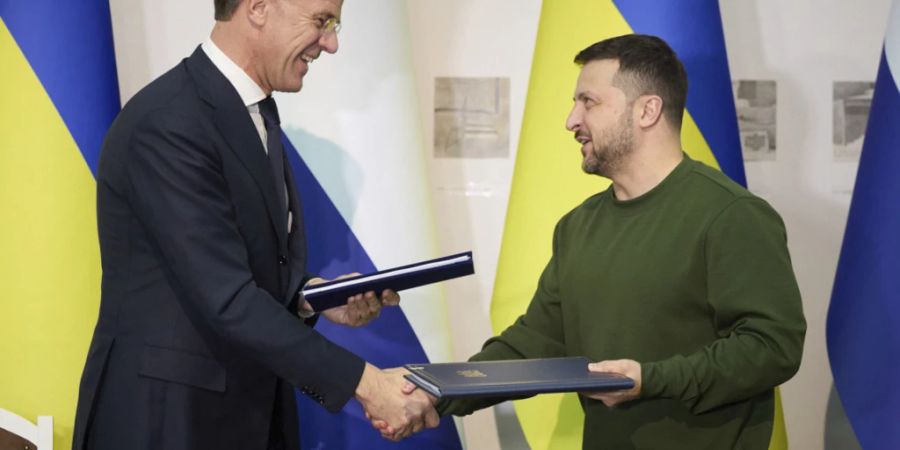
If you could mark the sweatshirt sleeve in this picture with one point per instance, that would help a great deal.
(757, 313)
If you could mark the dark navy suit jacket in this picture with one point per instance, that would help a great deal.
(197, 345)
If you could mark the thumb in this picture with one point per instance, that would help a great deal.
(408, 388)
(432, 419)
(606, 366)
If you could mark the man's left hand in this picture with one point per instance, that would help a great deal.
(627, 367)
(361, 308)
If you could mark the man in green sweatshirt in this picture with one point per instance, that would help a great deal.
(674, 276)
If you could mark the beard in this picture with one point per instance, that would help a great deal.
(608, 153)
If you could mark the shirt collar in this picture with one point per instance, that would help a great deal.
(247, 89)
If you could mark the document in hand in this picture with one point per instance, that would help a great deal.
(335, 293)
(513, 378)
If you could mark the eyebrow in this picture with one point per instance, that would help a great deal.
(326, 15)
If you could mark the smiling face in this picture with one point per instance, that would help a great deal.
(291, 38)
(601, 119)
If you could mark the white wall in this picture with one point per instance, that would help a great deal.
(473, 38)
(152, 36)
(804, 45)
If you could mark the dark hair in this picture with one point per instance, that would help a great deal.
(647, 65)
(225, 8)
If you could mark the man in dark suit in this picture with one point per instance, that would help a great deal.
(202, 334)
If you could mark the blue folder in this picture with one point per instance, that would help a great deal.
(335, 293)
(513, 378)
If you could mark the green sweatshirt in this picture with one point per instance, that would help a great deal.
(694, 281)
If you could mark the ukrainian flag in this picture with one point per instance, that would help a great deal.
(693, 28)
(863, 328)
(59, 95)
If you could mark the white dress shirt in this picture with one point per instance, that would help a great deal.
(251, 94)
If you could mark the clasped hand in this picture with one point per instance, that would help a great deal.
(394, 409)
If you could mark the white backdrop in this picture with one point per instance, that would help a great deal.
(804, 45)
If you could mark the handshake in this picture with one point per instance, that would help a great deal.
(396, 408)
(393, 404)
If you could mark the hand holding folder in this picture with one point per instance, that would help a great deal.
(514, 378)
(359, 309)
(627, 367)
(336, 293)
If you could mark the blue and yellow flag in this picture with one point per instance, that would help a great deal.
(59, 95)
(863, 329)
(693, 28)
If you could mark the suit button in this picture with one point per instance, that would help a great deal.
(282, 259)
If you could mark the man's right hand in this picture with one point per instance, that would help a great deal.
(382, 397)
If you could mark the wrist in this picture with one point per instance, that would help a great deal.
(304, 309)
(366, 383)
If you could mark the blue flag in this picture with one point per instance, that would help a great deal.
(863, 328)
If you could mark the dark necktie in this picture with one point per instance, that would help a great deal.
(269, 112)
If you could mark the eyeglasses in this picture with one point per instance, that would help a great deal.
(332, 25)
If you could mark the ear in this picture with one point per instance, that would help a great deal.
(651, 108)
(257, 11)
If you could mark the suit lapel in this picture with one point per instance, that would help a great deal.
(233, 121)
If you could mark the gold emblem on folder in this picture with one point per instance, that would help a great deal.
(471, 373)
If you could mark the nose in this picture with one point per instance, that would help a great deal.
(329, 42)
(573, 122)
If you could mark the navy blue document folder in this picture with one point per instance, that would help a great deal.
(335, 293)
(513, 378)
